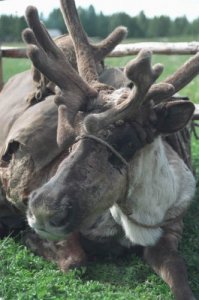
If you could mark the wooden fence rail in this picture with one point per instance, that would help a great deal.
(156, 48)
(13, 52)
(126, 49)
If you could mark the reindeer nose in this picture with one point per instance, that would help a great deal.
(50, 211)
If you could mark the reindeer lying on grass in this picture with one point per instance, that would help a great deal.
(114, 178)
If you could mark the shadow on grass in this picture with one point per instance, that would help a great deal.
(128, 272)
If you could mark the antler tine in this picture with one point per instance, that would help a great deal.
(32, 19)
(85, 57)
(143, 75)
(88, 54)
(66, 109)
(184, 74)
(160, 91)
(50, 60)
(175, 82)
(65, 132)
(103, 48)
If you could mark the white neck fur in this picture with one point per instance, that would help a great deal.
(161, 186)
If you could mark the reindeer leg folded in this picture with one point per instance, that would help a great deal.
(166, 262)
(67, 254)
(70, 253)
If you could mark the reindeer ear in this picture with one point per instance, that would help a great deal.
(173, 116)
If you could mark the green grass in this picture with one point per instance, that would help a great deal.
(171, 64)
(24, 276)
(12, 66)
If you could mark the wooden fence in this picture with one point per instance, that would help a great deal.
(119, 51)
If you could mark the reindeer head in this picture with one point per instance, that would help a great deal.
(103, 127)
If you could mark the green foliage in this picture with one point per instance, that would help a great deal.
(99, 25)
(180, 25)
(159, 26)
(119, 19)
(55, 20)
(102, 26)
(11, 28)
(91, 21)
(142, 24)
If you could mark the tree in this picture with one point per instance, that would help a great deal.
(119, 19)
(193, 29)
(92, 21)
(88, 18)
(180, 26)
(55, 20)
(142, 24)
(11, 28)
(102, 25)
(159, 27)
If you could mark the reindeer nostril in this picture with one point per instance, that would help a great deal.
(63, 218)
(58, 221)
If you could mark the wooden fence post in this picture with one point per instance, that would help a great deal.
(1, 71)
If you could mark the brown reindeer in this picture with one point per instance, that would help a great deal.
(121, 181)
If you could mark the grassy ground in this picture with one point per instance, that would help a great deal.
(23, 276)
(12, 66)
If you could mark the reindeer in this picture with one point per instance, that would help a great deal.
(121, 181)
(114, 177)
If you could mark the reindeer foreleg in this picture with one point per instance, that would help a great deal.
(166, 262)
(67, 254)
